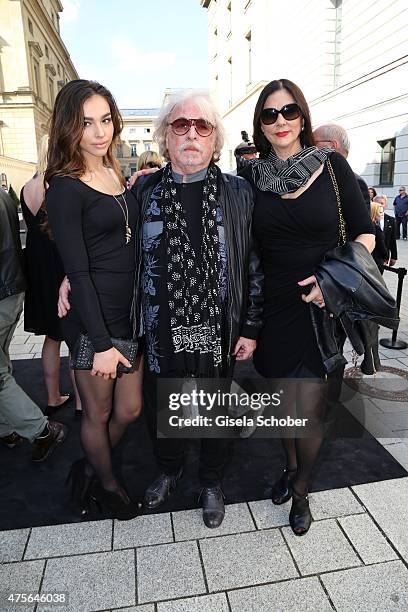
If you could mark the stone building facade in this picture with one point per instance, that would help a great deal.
(350, 59)
(34, 65)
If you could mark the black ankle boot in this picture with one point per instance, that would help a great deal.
(300, 517)
(282, 489)
(117, 504)
(81, 477)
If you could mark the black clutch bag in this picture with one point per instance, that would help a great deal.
(83, 354)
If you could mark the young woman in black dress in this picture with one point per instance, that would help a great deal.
(93, 218)
(295, 223)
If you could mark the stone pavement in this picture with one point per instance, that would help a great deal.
(355, 557)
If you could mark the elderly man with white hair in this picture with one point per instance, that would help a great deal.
(336, 137)
(201, 284)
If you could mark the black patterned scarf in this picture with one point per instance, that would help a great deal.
(285, 176)
(193, 281)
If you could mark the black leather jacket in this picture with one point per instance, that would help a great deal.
(355, 296)
(11, 260)
(245, 280)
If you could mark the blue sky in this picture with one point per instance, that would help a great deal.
(137, 48)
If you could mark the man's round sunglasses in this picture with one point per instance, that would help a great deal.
(288, 112)
(182, 125)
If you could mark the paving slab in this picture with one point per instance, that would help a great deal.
(367, 539)
(387, 502)
(267, 515)
(205, 603)
(15, 356)
(399, 452)
(373, 588)
(24, 577)
(98, 581)
(323, 548)
(143, 531)
(395, 420)
(334, 503)
(302, 595)
(142, 608)
(169, 571)
(188, 524)
(19, 349)
(12, 544)
(69, 539)
(246, 560)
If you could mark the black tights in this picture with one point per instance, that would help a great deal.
(108, 407)
(302, 452)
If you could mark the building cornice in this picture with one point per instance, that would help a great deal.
(46, 22)
(254, 89)
(205, 3)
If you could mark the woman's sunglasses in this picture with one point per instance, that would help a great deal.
(288, 112)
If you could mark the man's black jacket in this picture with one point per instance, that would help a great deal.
(11, 261)
(245, 277)
(355, 295)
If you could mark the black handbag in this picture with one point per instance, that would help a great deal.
(83, 354)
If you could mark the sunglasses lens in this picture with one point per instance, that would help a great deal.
(290, 112)
(180, 126)
(269, 116)
(203, 127)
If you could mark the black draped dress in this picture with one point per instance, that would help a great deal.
(293, 235)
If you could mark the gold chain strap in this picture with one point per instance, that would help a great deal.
(342, 225)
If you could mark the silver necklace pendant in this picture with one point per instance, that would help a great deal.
(128, 234)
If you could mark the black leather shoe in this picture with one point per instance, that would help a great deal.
(300, 517)
(160, 490)
(282, 489)
(212, 500)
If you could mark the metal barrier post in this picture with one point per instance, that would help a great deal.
(394, 343)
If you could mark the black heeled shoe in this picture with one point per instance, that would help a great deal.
(300, 517)
(282, 489)
(115, 503)
(81, 483)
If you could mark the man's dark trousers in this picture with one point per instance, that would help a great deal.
(169, 452)
(398, 221)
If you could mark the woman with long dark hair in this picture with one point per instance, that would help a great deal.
(92, 217)
(296, 221)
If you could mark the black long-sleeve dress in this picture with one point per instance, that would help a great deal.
(293, 235)
(89, 231)
(44, 272)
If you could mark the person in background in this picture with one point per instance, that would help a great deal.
(401, 212)
(372, 193)
(149, 159)
(4, 187)
(44, 273)
(20, 417)
(148, 163)
(336, 137)
(380, 251)
(387, 224)
(245, 151)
